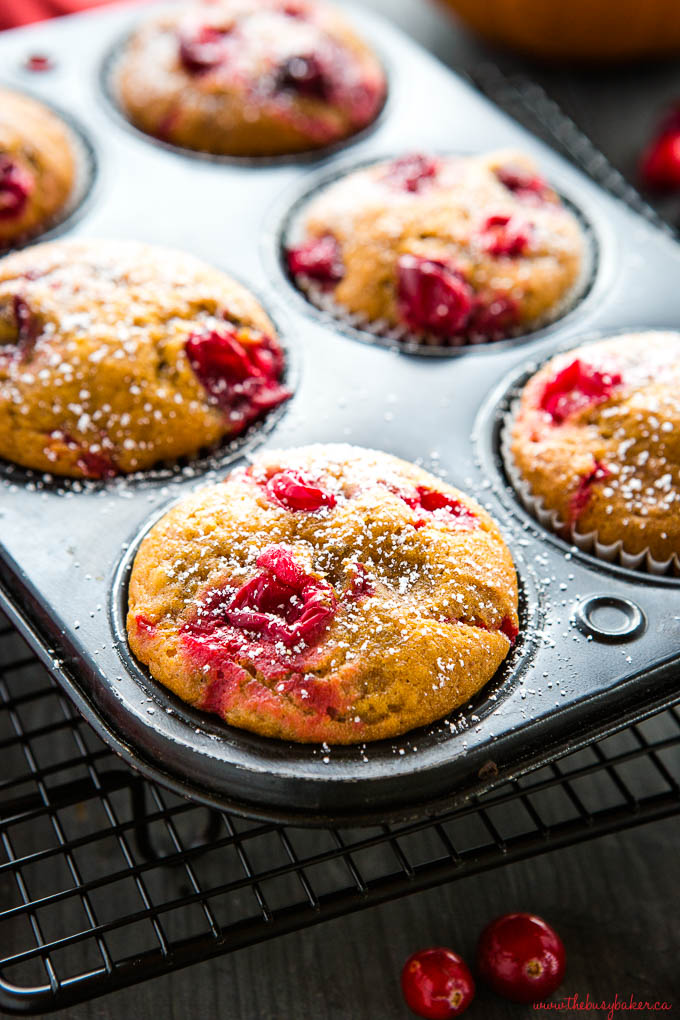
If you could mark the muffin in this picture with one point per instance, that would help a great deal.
(37, 168)
(328, 593)
(116, 355)
(595, 446)
(455, 249)
(249, 77)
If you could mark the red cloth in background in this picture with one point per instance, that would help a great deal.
(21, 12)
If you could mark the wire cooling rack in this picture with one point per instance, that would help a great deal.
(107, 879)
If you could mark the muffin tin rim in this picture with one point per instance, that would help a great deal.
(288, 205)
(490, 422)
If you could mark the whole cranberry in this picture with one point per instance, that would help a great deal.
(201, 49)
(433, 295)
(521, 957)
(437, 984)
(319, 258)
(660, 163)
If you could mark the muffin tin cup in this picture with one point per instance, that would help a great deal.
(399, 337)
(109, 92)
(504, 408)
(62, 579)
(588, 542)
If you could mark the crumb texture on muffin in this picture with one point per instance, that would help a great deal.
(596, 440)
(328, 593)
(447, 249)
(37, 168)
(116, 355)
(249, 77)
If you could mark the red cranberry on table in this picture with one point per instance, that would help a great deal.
(521, 957)
(660, 163)
(437, 984)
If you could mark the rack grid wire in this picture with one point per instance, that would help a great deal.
(107, 880)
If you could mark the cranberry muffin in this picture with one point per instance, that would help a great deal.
(37, 168)
(451, 249)
(249, 77)
(116, 355)
(328, 593)
(596, 443)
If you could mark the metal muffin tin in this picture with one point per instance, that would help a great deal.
(600, 645)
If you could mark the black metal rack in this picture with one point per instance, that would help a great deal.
(107, 880)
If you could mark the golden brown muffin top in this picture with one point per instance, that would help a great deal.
(326, 593)
(116, 354)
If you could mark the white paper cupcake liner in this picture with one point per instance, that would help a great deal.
(587, 542)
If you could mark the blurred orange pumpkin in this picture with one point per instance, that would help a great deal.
(577, 29)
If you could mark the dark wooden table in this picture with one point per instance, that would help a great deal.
(615, 900)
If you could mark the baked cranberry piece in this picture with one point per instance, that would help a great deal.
(493, 318)
(504, 235)
(581, 497)
(362, 100)
(431, 501)
(576, 386)
(28, 329)
(201, 49)
(319, 259)
(660, 163)
(510, 629)
(360, 583)
(306, 75)
(507, 626)
(294, 10)
(521, 957)
(281, 604)
(16, 184)
(242, 378)
(433, 296)
(437, 984)
(94, 464)
(523, 183)
(145, 625)
(413, 172)
(296, 491)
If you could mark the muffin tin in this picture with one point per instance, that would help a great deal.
(600, 644)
